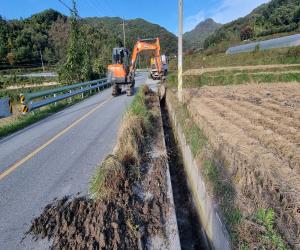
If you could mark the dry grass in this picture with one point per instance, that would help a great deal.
(103, 185)
(251, 214)
(132, 137)
(240, 68)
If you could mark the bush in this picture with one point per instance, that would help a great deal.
(247, 33)
(294, 51)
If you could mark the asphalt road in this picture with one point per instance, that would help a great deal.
(54, 158)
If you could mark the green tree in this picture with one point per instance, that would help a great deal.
(87, 72)
(10, 55)
(297, 16)
(247, 33)
(71, 70)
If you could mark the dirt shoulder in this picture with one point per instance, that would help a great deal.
(255, 131)
(130, 205)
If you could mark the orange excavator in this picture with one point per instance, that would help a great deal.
(121, 74)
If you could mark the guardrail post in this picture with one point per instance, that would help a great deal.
(82, 95)
(55, 104)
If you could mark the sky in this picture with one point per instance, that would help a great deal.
(162, 12)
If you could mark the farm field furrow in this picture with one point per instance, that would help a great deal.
(257, 127)
(255, 130)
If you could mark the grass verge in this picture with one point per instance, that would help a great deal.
(132, 139)
(274, 56)
(22, 121)
(234, 78)
(15, 93)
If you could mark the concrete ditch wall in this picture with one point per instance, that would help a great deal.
(206, 207)
(171, 223)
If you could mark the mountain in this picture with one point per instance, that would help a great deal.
(276, 18)
(47, 32)
(195, 38)
(22, 40)
(135, 29)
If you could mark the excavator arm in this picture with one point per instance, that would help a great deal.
(144, 45)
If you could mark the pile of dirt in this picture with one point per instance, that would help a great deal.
(132, 215)
(254, 129)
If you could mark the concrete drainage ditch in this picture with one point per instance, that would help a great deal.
(203, 225)
(191, 233)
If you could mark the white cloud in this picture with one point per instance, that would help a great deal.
(230, 10)
(191, 21)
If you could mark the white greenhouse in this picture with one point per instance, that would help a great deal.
(287, 41)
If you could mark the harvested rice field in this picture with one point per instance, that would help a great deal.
(255, 130)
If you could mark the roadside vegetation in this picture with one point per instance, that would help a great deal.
(136, 128)
(15, 123)
(214, 60)
(16, 81)
(15, 93)
(19, 121)
(290, 57)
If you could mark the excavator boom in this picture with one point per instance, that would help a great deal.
(152, 44)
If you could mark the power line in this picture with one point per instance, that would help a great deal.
(94, 6)
(69, 8)
(64, 4)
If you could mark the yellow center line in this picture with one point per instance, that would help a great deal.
(39, 149)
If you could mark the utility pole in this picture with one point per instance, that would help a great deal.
(42, 60)
(124, 34)
(180, 59)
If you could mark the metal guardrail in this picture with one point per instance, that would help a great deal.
(58, 94)
(25, 98)
(5, 107)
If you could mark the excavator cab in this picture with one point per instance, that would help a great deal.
(118, 71)
(120, 56)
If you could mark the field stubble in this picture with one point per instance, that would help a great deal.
(256, 131)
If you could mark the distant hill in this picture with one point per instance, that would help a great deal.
(195, 38)
(135, 29)
(21, 41)
(275, 18)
